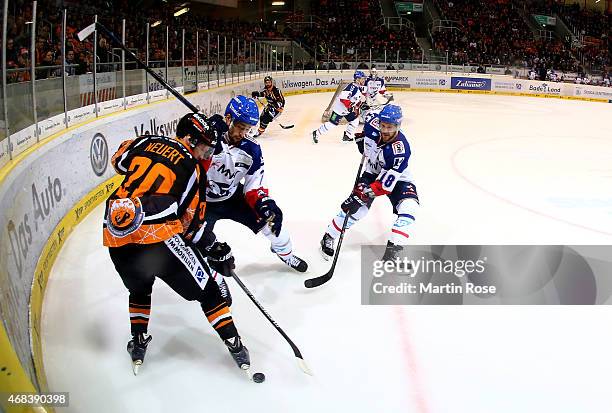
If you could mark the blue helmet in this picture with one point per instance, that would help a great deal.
(391, 114)
(243, 109)
(358, 75)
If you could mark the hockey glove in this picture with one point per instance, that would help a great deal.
(362, 196)
(220, 258)
(359, 136)
(267, 209)
(255, 94)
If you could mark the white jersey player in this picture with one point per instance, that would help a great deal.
(387, 172)
(237, 188)
(346, 106)
(375, 85)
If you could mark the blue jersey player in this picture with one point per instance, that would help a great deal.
(236, 187)
(386, 173)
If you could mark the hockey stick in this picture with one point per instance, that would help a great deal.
(296, 350)
(317, 281)
(83, 34)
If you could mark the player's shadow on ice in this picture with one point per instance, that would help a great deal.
(270, 269)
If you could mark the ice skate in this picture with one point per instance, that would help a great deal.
(239, 352)
(137, 347)
(294, 262)
(327, 246)
(391, 251)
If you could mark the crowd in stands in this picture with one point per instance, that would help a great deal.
(356, 25)
(79, 55)
(494, 32)
(592, 30)
(483, 32)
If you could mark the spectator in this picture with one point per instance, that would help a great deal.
(70, 62)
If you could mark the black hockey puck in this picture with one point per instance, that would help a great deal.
(259, 377)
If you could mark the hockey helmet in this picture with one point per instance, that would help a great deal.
(195, 125)
(268, 79)
(391, 114)
(243, 109)
(358, 75)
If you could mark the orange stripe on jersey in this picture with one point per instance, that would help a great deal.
(140, 310)
(219, 313)
(214, 309)
(140, 305)
(224, 323)
(137, 321)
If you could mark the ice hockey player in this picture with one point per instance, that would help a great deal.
(375, 87)
(386, 172)
(237, 188)
(274, 107)
(150, 223)
(376, 94)
(346, 106)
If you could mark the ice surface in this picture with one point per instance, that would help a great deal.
(502, 170)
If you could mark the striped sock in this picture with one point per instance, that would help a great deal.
(220, 317)
(140, 310)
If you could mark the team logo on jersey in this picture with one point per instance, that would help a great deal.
(375, 122)
(217, 190)
(98, 154)
(189, 260)
(398, 161)
(124, 216)
(199, 275)
(398, 148)
(227, 172)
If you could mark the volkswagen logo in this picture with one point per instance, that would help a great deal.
(98, 153)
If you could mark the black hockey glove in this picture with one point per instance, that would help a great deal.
(255, 94)
(267, 209)
(220, 258)
(362, 196)
(359, 137)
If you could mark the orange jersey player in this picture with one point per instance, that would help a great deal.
(274, 107)
(152, 220)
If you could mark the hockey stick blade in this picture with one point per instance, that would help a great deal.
(86, 32)
(296, 351)
(304, 366)
(317, 281)
(286, 126)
